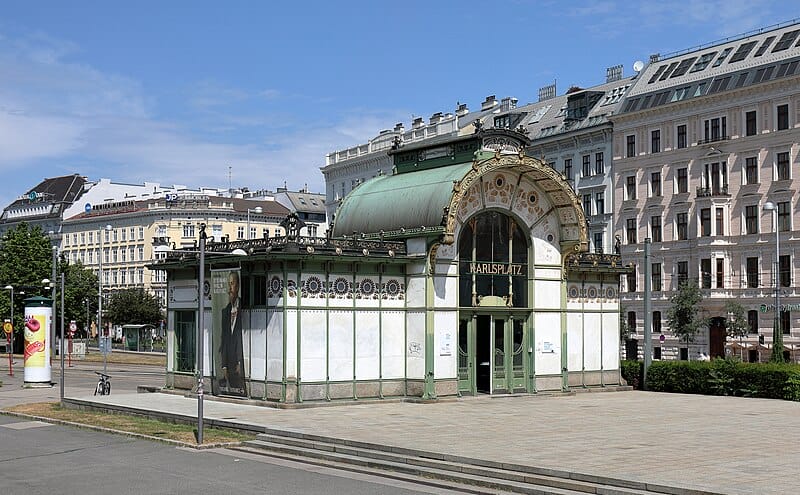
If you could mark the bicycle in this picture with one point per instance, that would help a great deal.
(103, 384)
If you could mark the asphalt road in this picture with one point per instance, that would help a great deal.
(40, 458)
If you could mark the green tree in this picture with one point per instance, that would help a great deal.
(683, 317)
(80, 294)
(133, 306)
(736, 322)
(25, 259)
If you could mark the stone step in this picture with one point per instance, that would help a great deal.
(451, 468)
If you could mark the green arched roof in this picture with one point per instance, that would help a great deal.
(425, 202)
(403, 201)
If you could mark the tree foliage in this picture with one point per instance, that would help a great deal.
(80, 295)
(736, 322)
(133, 306)
(25, 260)
(683, 316)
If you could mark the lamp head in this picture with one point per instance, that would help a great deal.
(768, 206)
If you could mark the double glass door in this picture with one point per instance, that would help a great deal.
(491, 355)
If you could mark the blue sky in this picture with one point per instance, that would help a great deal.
(177, 92)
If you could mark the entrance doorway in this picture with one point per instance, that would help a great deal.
(494, 347)
(716, 338)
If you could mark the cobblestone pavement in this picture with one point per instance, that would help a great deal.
(719, 444)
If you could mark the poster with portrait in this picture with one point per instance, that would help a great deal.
(230, 373)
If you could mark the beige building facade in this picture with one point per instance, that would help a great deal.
(705, 143)
(120, 238)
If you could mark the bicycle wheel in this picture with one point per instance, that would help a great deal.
(107, 388)
(99, 388)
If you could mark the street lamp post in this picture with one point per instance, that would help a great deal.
(200, 333)
(258, 210)
(100, 333)
(61, 347)
(777, 335)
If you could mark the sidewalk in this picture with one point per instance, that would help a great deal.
(719, 444)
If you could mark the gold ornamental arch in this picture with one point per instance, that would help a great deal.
(574, 235)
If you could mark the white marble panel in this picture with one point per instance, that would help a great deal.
(313, 346)
(393, 333)
(341, 298)
(553, 273)
(367, 345)
(547, 294)
(291, 344)
(367, 290)
(274, 347)
(415, 347)
(575, 341)
(445, 291)
(171, 342)
(546, 253)
(340, 345)
(312, 289)
(610, 339)
(591, 337)
(445, 342)
(415, 292)
(547, 344)
(417, 246)
(257, 336)
(208, 351)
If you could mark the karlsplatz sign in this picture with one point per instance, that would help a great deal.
(765, 308)
(496, 269)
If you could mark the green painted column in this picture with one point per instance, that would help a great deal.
(429, 391)
(564, 362)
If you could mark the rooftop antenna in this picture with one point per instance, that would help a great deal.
(230, 184)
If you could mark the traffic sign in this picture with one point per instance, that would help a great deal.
(8, 327)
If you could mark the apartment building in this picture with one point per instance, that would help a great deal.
(705, 160)
(120, 238)
(346, 169)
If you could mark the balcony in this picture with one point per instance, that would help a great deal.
(160, 241)
(713, 139)
(709, 192)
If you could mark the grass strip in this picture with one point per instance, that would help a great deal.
(130, 423)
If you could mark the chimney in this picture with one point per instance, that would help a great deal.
(417, 123)
(614, 73)
(461, 109)
(436, 118)
(547, 92)
(489, 102)
(398, 127)
(508, 103)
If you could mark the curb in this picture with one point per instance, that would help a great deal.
(83, 426)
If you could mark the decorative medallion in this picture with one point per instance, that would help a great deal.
(312, 286)
(574, 292)
(275, 287)
(393, 289)
(611, 293)
(291, 288)
(367, 288)
(341, 287)
(592, 292)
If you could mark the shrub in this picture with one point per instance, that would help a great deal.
(726, 377)
(632, 372)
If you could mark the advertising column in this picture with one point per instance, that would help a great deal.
(38, 318)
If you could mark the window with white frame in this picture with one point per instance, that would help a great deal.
(188, 230)
(782, 167)
(751, 170)
(630, 187)
(782, 115)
